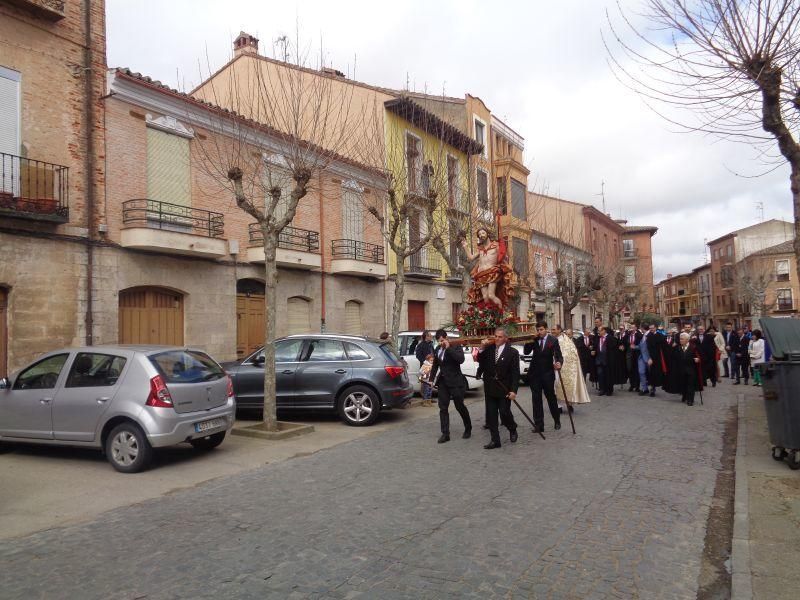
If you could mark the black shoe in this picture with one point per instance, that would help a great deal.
(601, 394)
(557, 426)
(713, 384)
(630, 389)
(560, 410)
(737, 383)
(485, 426)
(514, 436)
(491, 446)
(538, 429)
(690, 404)
(467, 434)
(444, 438)
(571, 409)
(643, 393)
(652, 393)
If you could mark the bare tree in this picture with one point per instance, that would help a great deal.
(733, 64)
(285, 125)
(753, 277)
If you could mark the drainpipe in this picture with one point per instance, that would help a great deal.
(322, 257)
(89, 163)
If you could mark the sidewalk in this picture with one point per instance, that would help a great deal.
(766, 535)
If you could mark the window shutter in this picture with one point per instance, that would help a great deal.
(352, 216)
(168, 168)
(299, 320)
(9, 112)
(352, 318)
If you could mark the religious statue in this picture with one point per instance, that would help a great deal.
(492, 278)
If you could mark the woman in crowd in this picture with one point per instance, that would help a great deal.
(756, 351)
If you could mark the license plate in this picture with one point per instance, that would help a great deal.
(207, 425)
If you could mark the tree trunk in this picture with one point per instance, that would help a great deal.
(795, 186)
(270, 300)
(399, 292)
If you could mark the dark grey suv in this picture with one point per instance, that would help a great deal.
(355, 376)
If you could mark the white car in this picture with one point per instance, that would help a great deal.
(407, 345)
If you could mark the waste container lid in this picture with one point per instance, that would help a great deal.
(783, 336)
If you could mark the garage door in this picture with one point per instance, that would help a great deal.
(3, 332)
(150, 316)
(299, 310)
(352, 318)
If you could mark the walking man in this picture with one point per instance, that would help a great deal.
(729, 364)
(446, 374)
(547, 359)
(499, 364)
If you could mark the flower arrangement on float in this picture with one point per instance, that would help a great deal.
(483, 318)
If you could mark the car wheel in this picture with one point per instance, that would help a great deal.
(209, 442)
(127, 448)
(358, 406)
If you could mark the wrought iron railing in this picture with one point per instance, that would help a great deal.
(291, 238)
(33, 189)
(357, 250)
(142, 212)
(423, 264)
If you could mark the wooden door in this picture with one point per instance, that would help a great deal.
(150, 316)
(3, 332)
(352, 318)
(249, 323)
(416, 315)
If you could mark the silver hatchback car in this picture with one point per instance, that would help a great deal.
(125, 400)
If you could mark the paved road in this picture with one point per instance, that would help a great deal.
(618, 511)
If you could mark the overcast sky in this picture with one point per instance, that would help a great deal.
(539, 65)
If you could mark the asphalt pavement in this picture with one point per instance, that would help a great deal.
(617, 511)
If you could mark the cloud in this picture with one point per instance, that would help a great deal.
(541, 67)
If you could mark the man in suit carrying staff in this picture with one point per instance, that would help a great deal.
(547, 359)
(446, 375)
(499, 364)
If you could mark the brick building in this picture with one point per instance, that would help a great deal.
(52, 69)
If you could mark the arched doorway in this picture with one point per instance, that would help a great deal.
(299, 315)
(150, 315)
(3, 332)
(249, 316)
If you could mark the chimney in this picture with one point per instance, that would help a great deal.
(245, 44)
(622, 222)
(333, 72)
(669, 275)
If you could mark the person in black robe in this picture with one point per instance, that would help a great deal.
(606, 354)
(584, 345)
(707, 348)
(685, 377)
(632, 339)
(658, 363)
(619, 371)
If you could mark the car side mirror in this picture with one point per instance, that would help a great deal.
(5, 383)
(260, 360)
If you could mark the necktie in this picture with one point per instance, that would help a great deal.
(497, 354)
(441, 355)
(541, 344)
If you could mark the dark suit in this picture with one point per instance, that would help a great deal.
(606, 350)
(500, 376)
(542, 377)
(631, 342)
(729, 362)
(584, 345)
(708, 356)
(687, 372)
(446, 372)
(740, 347)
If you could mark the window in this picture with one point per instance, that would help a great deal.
(453, 192)
(785, 299)
(537, 264)
(9, 120)
(480, 134)
(95, 370)
(519, 249)
(286, 350)
(716, 277)
(43, 375)
(630, 275)
(298, 315)
(186, 366)
(716, 253)
(782, 270)
(278, 178)
(483, 190)
(352, 318)
(455, 253)
(413, 161)
(355, 352)
(518, 194)
(325, 350)
(352, 212)
(674, 289)
(502, 201)
(548, 263)
(455, 311)
(729, 249)
(168, 175)
(628, 249)
(595, 241)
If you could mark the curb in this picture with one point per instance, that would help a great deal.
(741, 576)
(285, 431)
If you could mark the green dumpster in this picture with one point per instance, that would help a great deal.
(781, 387)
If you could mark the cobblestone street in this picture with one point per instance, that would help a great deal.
(617, 511)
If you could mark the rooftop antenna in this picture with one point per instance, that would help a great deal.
(760, 210)
(283, 41)
(602, 194)
(705, 251)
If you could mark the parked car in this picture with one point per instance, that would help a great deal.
(524, 362)
(407, 342)
(355, 376)
(124, 400)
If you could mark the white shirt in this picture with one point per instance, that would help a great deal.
(499, 350)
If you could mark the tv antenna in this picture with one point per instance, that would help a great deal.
(602, 194)
(760, 210)
(705, 251)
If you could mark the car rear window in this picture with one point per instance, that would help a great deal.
(186, 366)
(390, 352)
(355, 352)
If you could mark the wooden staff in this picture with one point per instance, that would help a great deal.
(514, 400)
(569, 406)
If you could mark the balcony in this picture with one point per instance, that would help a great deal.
(172, 228)
(33, 189)
(51, 10)
(424, 266)
(630, 252)
(297, 248)
(354, 257)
